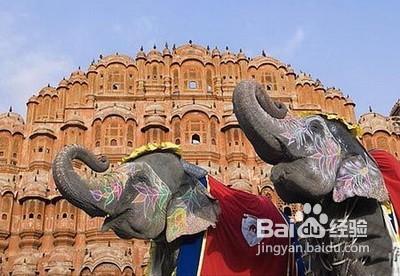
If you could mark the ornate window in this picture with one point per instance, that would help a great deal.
(154, 135)
(269, 80)
(195, 139)
(213, 131)
(97, 134)
(115, 81)
(209, 81)
(4, 141)
(175, 79)
(130, 135)
(177, 130)
(192, 79)
(196, 132)
(114, 132)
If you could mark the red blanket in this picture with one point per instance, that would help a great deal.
(390, 168)
(231, 248)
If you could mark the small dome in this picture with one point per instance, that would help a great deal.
(78, 76)
(241, 55)
(63, 83)
(47, 90)
(141, 54)
(115, 58)
(304, 78)
(154, 52)
(11, 119)
(215, 52)
(166, 51)
(332, 92)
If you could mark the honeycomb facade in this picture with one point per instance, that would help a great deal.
(183, 95)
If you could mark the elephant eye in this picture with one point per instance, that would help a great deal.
(315, 126)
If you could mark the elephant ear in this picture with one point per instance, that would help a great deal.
(359, 176)
(191, 211)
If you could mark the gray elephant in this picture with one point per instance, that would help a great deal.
(317, 160)
(156, 195)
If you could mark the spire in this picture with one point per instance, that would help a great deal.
(10, 110)
(154, 46)
(263, 53)
(141, 48)
(208, 47)
(190, 42)
(166, 45)
(370, 109)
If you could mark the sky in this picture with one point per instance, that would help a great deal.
(352, 45)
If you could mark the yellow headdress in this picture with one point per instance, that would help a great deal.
(356, 129)
(153, 147)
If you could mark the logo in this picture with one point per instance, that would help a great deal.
(249, 230)
(313, 227)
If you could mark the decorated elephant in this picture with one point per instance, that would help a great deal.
(196, 224)
(317, 159)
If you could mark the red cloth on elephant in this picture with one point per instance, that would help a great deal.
(390, 169)
(229, 251)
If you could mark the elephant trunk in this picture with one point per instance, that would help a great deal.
(71, 185)
(259, 118)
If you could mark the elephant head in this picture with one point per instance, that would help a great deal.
(156, 195)
(312, 156)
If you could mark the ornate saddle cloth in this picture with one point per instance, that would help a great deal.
(232, 248)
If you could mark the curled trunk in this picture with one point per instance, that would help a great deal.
(71, 185)
(258, 117)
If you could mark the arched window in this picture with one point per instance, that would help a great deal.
(268, 80)
(113, 142)
(130, 135)
(4, 141)
(114, 133)
(177, 129)
(213, 131)
(175, 79)
(154, 72)
(115, 81)
(209, 81)
(97, 134)
(195, 139)
(192, 76)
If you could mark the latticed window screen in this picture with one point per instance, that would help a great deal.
(196, 127)
(192, 78)
(3, 145)
(114, 131)
(130, 134)
(213, 131)
(269, 80)
(115, 81)
(175, 80)
(97, 133)
(209, 81)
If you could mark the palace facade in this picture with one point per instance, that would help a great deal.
(183, 95)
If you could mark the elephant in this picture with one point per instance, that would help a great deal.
(317, 159)
(156, 195)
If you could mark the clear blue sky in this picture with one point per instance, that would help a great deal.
(353, 45)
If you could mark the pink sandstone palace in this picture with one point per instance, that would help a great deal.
(180, 94)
